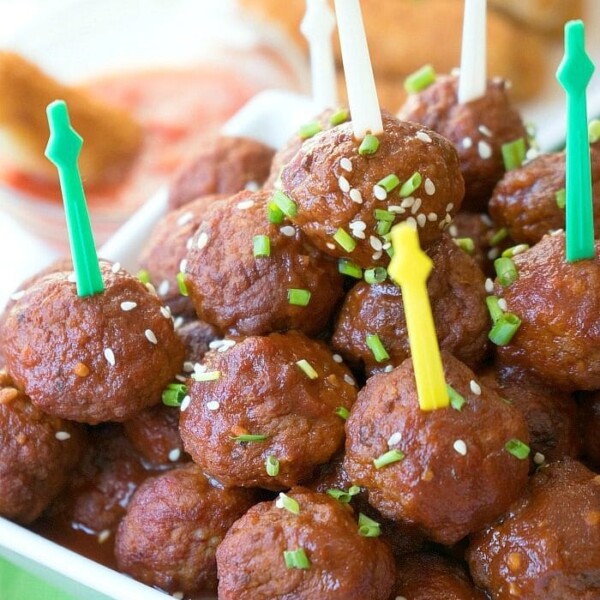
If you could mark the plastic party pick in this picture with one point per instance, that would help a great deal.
(410, 268)
(63, 150)
(472, 79)
(574, 74)
(360, 82)
(317, 27)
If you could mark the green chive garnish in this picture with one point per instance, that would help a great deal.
(367, 527)
(272, 466)
(383, 227)
(375, 345)
(343, 496)
(389, 183)
(504, 329)
(298, 297)
(285, 204)
(285, 501)
(594, 131)
(309, 129)
(514, 154)
(420, 79)
(514, 250)
(181, 284)
(506, 271)
(498, 236)
(411, 184)
(384, 215)
(456, 400)
(494, 309)
(274, 214)
(369, 145)
(517, 448)
(347, 267)
(261, 246)
(465, 244)
(174, 394)
(250, 437)
(388, 458)
(561, 198)
(339, 117)
(143, 276)
(307, 369)
(296, 559)
(343, 412)
(344, 240)
(376, 275)
(206, 376)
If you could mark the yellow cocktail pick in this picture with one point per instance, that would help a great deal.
(409, 269)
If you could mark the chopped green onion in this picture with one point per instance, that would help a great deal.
(456, 400)
(514, 154)
(517, 448)
(561, 198)
(261, 246)
(388, 458)
(174, 394)
(504, 329)
(367, 527)
(420, 79)
(494, 309)
(514, 250)
(411, 184)
(272, 466)
(594, 131)
(181, 283)
(389, 183)
(274, 214)
(296, 559)
(343, 496)
(346, 267)
(250, 437)
(344, 240)
(390, 251)
(384, 215)
(143, 276)
(339, 117)
(285, 204)
(498, 236)
(343, 412)
(298, 297)
(285, 501)
(375, 345)
(383, 227)
(376, 275)
(465, 244)
(369, 145)
(206, 376)
(307, 369)
(309, 130)
(506, 271)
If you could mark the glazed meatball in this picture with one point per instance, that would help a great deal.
(225, 165)
(433, 577)
(172, 528)
(525, 201)
(454, 472)
(558, 304)
(244, 294)
(340, 563)
(163, 255)
(38, 453)
(197, 337)
(91, 359)
(478, 129)
(337, 190)
(456, 288)
(590, 425)
(258, 388)
(548, 544)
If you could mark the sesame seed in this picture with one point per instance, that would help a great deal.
(379, 192)
(412, 222)
(346, 164)
(202, 240)
(178, 322)
(150, 336)
(475, 387)
(388, 369)
(519, 249)
(212, 405)
(245, 204)
(165, 311)
(532, 153)
(484, 149)
(556, 232)
(453, 230)
(103, 536)
(460, 447)
(181, 378)
(360, 225)
(185, 403)
(174, 455)
(17, 295)
(221, 345)
(349, 380)
(185, 218)
(72, 278)
(416, 206)
(407, 202)
(377, 255)
(493, 253)
(337, 358)
(485, 130)
(163, 288)
(116, 267)
(375, 243)
(330, 245)
(127, 306)
(386, 246)
(502, 304)
(356, 196)
(432, 217)
(178, 595)
(252, 186)
(539, 458)
(198, 368)
(489, 285)
(421, 135)
(401, 598)
(188, 366)
(344, 184)
(394, 208)
(150, 288)
(61, 436)
(288, 230)
(467, 143)
(183, 265)
(429, 187)
(421, 220)
(395, 438)
(189, 243)
(449, 207)
(109, 355)
(448, 218)
(485, 219)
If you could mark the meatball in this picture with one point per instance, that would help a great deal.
(225, 165)
(454, 471)
(91, 359)
(38, 453)
(478, 129)
(197, 337)
(457, 292)
(265, 414)
(433, 577)
(163, 255)
(525, 200)
(590, 425)
(558, 304)
(254, 561)
(413, 176)
(244, 294)
(172, 528)
(548, 544)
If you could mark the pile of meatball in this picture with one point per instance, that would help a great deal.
(241, 417)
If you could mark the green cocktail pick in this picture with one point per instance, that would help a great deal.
(574, 74)
(63, 149)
